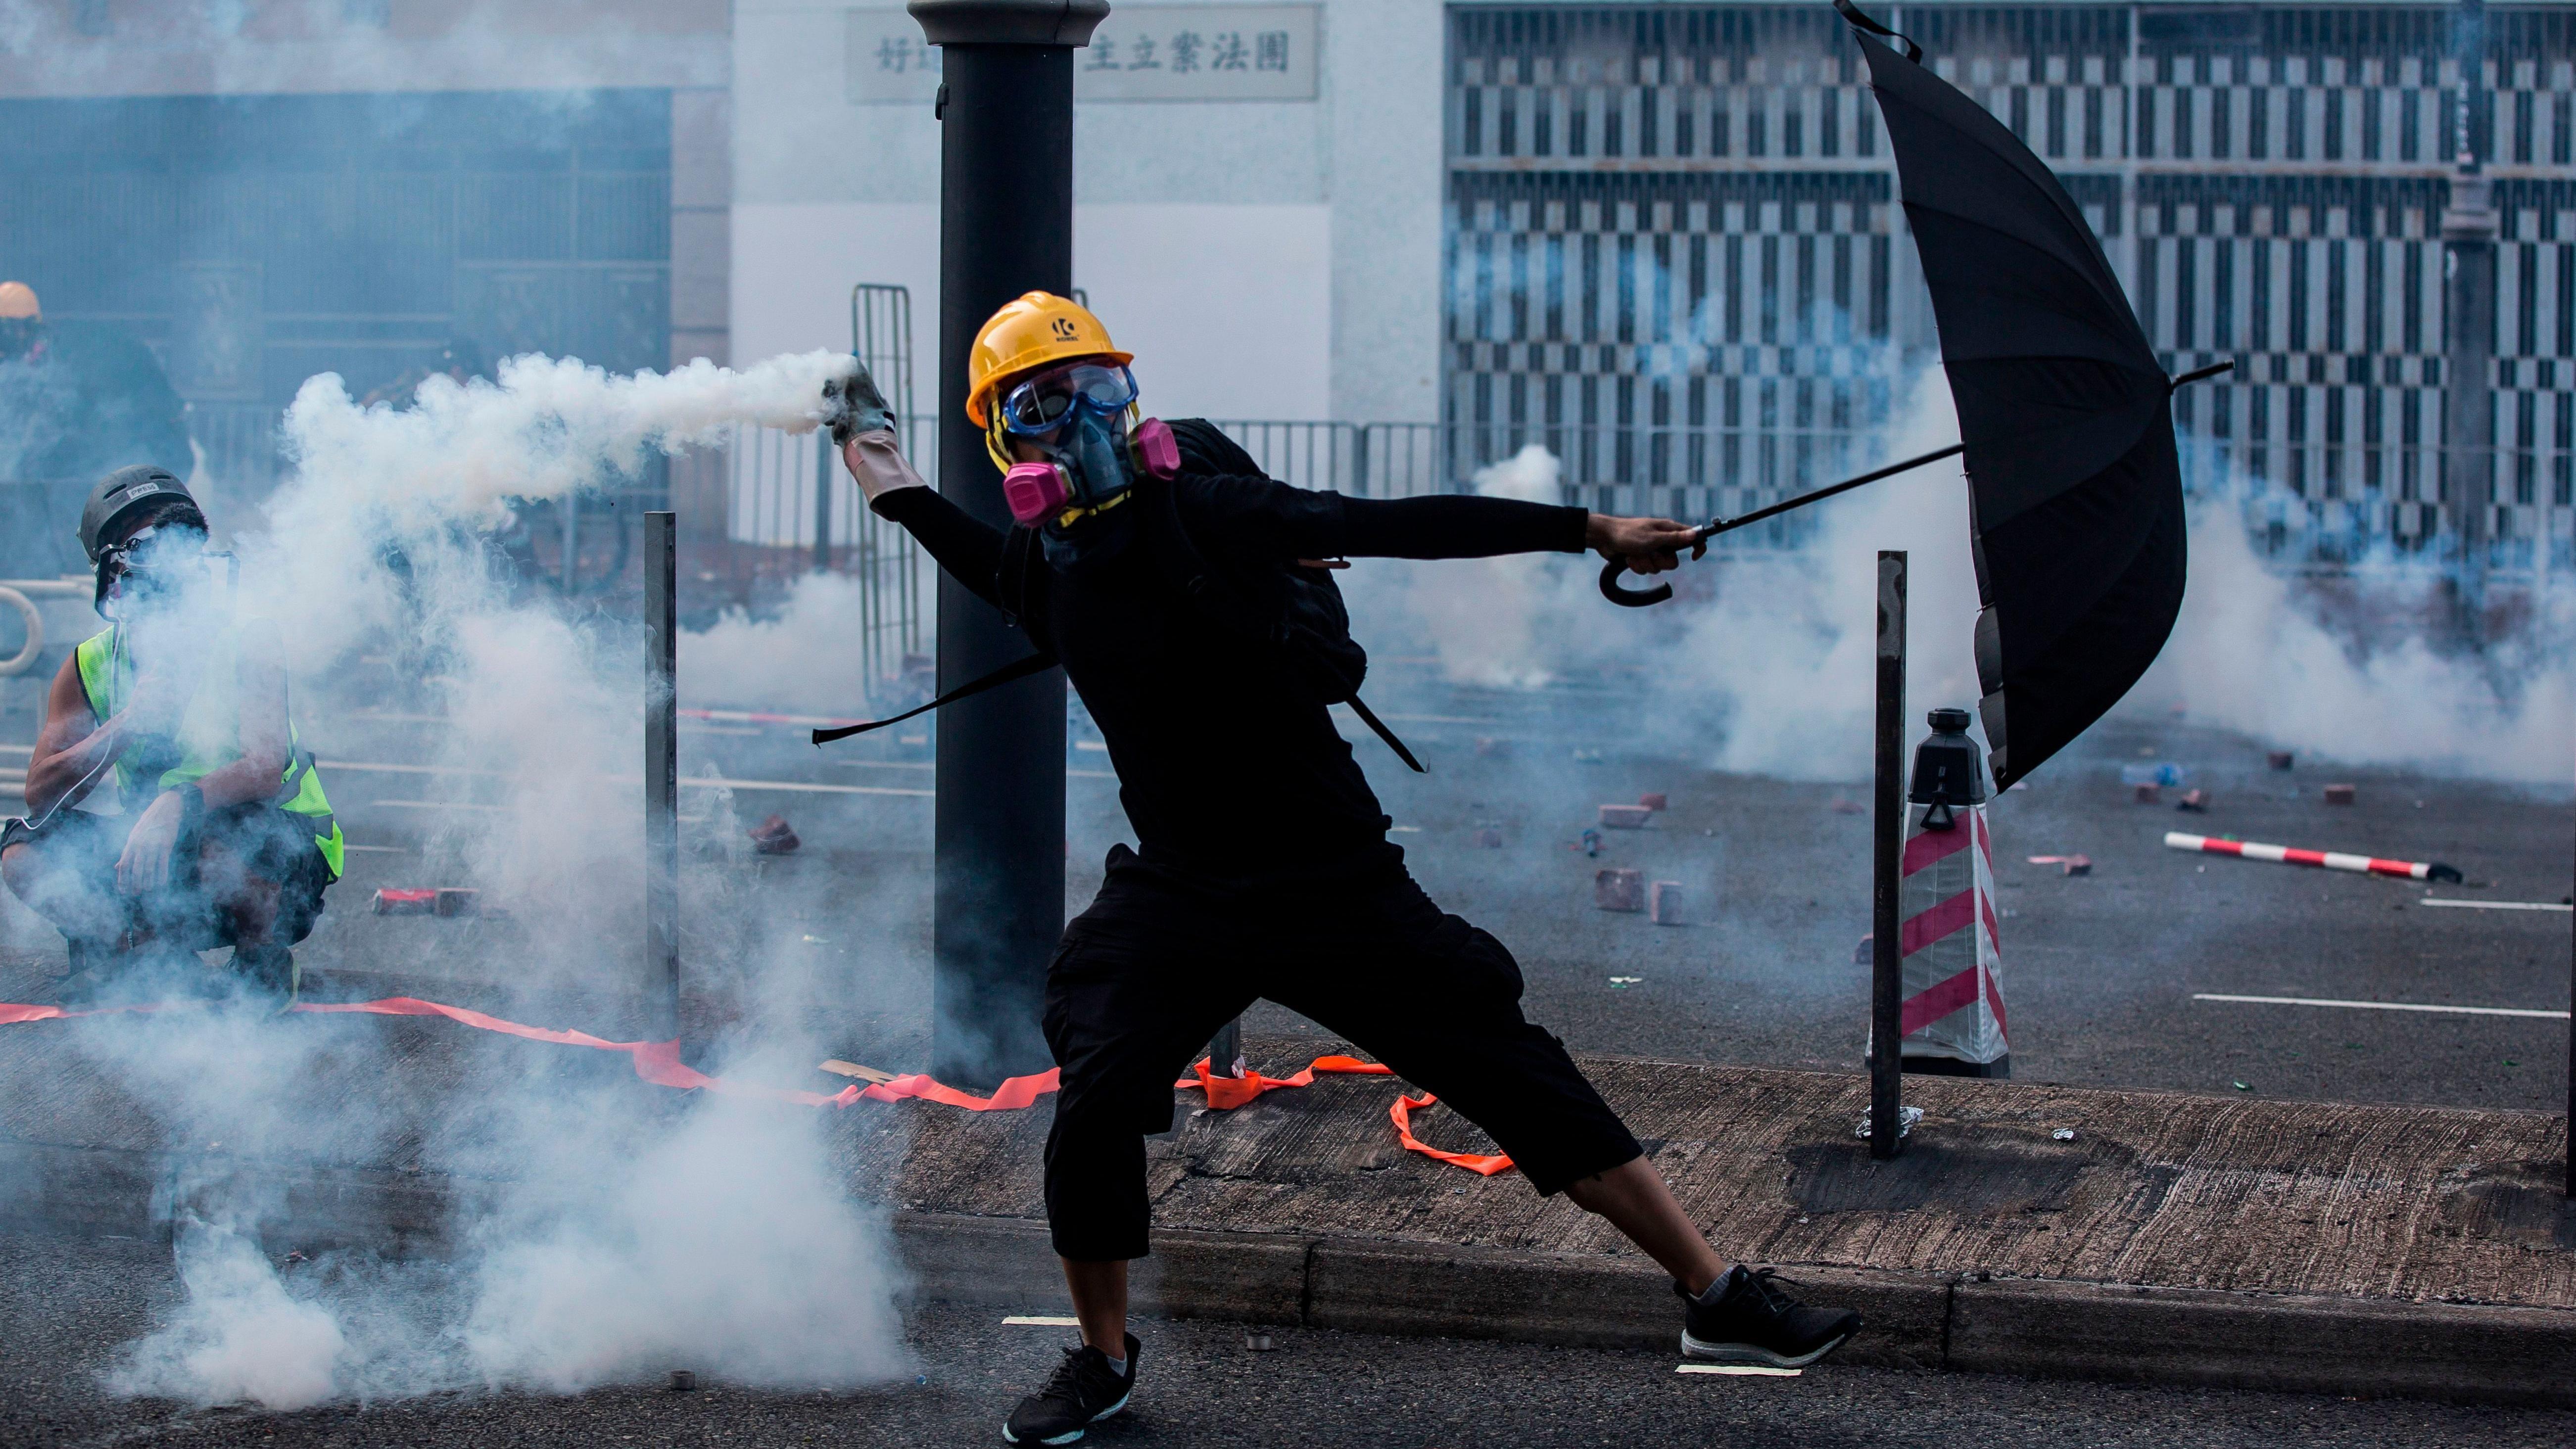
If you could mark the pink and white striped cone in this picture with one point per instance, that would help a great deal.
(1954, 996)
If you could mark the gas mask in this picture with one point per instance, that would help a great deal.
(1082, 421)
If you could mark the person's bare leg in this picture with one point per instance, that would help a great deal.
(1100, 1301)
(1636, 1201)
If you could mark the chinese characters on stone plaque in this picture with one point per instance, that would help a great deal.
(1140, 53)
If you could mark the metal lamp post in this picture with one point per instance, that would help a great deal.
(1005, 227)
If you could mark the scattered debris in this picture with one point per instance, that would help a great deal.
(2323, 859)
(2278, 759)
(1616, 982)
(2149, 794)
(2341, 794)
(398, 902)
(1489, 838)
(2195, 801)
(2162, 772)
(1861, 952)
(1587, 757)
(2073, 864)
(853, 1069)
(1906, 1117)
(1652, 800)
(1841, 806)
(2062, 1134)
(1665, 902)
(774, 836)
(1592, 842)
(1257, 1342)
(683, 1381)
(2240, 1086)
(454, 901)
(1625, 817)
(1615, 889)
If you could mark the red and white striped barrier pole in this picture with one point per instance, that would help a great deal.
(2322, 859)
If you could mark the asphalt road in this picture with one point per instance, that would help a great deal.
(71, 1305)
(2102, 971)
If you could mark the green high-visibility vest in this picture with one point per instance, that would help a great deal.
(209, 730)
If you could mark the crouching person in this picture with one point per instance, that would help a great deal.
(225, 837)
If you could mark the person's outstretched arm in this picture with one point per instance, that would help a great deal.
(1254, 512)
(970, 550)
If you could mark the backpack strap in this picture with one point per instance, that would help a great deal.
(1011, 587)
(1011, 582)
(1369, 717)
(1037, 663)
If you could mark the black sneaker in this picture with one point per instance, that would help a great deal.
(1744, 1317)
(1081, 1393)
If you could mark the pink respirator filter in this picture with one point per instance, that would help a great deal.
(1158, 453)
(1035, 491)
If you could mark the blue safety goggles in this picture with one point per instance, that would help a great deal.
(1044, 403)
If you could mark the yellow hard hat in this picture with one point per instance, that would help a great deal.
(1030, 331)
(18, 303)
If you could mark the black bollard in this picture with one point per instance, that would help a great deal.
(1887, 857)
(1005, 227)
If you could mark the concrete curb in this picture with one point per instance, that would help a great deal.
(2367, 1347)
(2041, 1328)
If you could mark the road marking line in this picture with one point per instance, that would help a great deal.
(440, 805)
(2502, 905)
(379, 849)
(1040, 1320)
(1741, 1370)
(2382, 1005)
(17, 749)
(719, 782)
(687, 782)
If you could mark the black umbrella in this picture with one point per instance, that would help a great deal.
(2065, 415)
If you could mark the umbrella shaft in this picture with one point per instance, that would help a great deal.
(1729, 525)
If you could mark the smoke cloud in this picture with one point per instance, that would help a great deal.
(623, 1230)
(1763, 666)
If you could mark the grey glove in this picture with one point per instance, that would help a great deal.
(854, 405)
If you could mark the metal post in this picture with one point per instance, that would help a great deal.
(2469, 325)
(1005, 227)
(1887, 841)
(822, 498)
(661, 778)
(2571, 1079)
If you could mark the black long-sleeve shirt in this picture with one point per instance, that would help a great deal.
(1231, 773)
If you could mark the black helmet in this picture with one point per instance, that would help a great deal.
(119, 494)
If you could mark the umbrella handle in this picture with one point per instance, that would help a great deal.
(1628, 598)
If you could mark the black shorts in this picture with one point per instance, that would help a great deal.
(270, 843)
(1152, 970)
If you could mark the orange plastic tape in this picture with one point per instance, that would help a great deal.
(1481, 1164)
(1227, 1093)
(657, 1062)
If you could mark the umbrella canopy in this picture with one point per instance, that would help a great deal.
(2065, 414)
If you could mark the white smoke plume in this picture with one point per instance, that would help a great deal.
(1771, 673)
(637, 1231)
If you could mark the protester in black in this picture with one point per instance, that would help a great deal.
(1262, 870)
